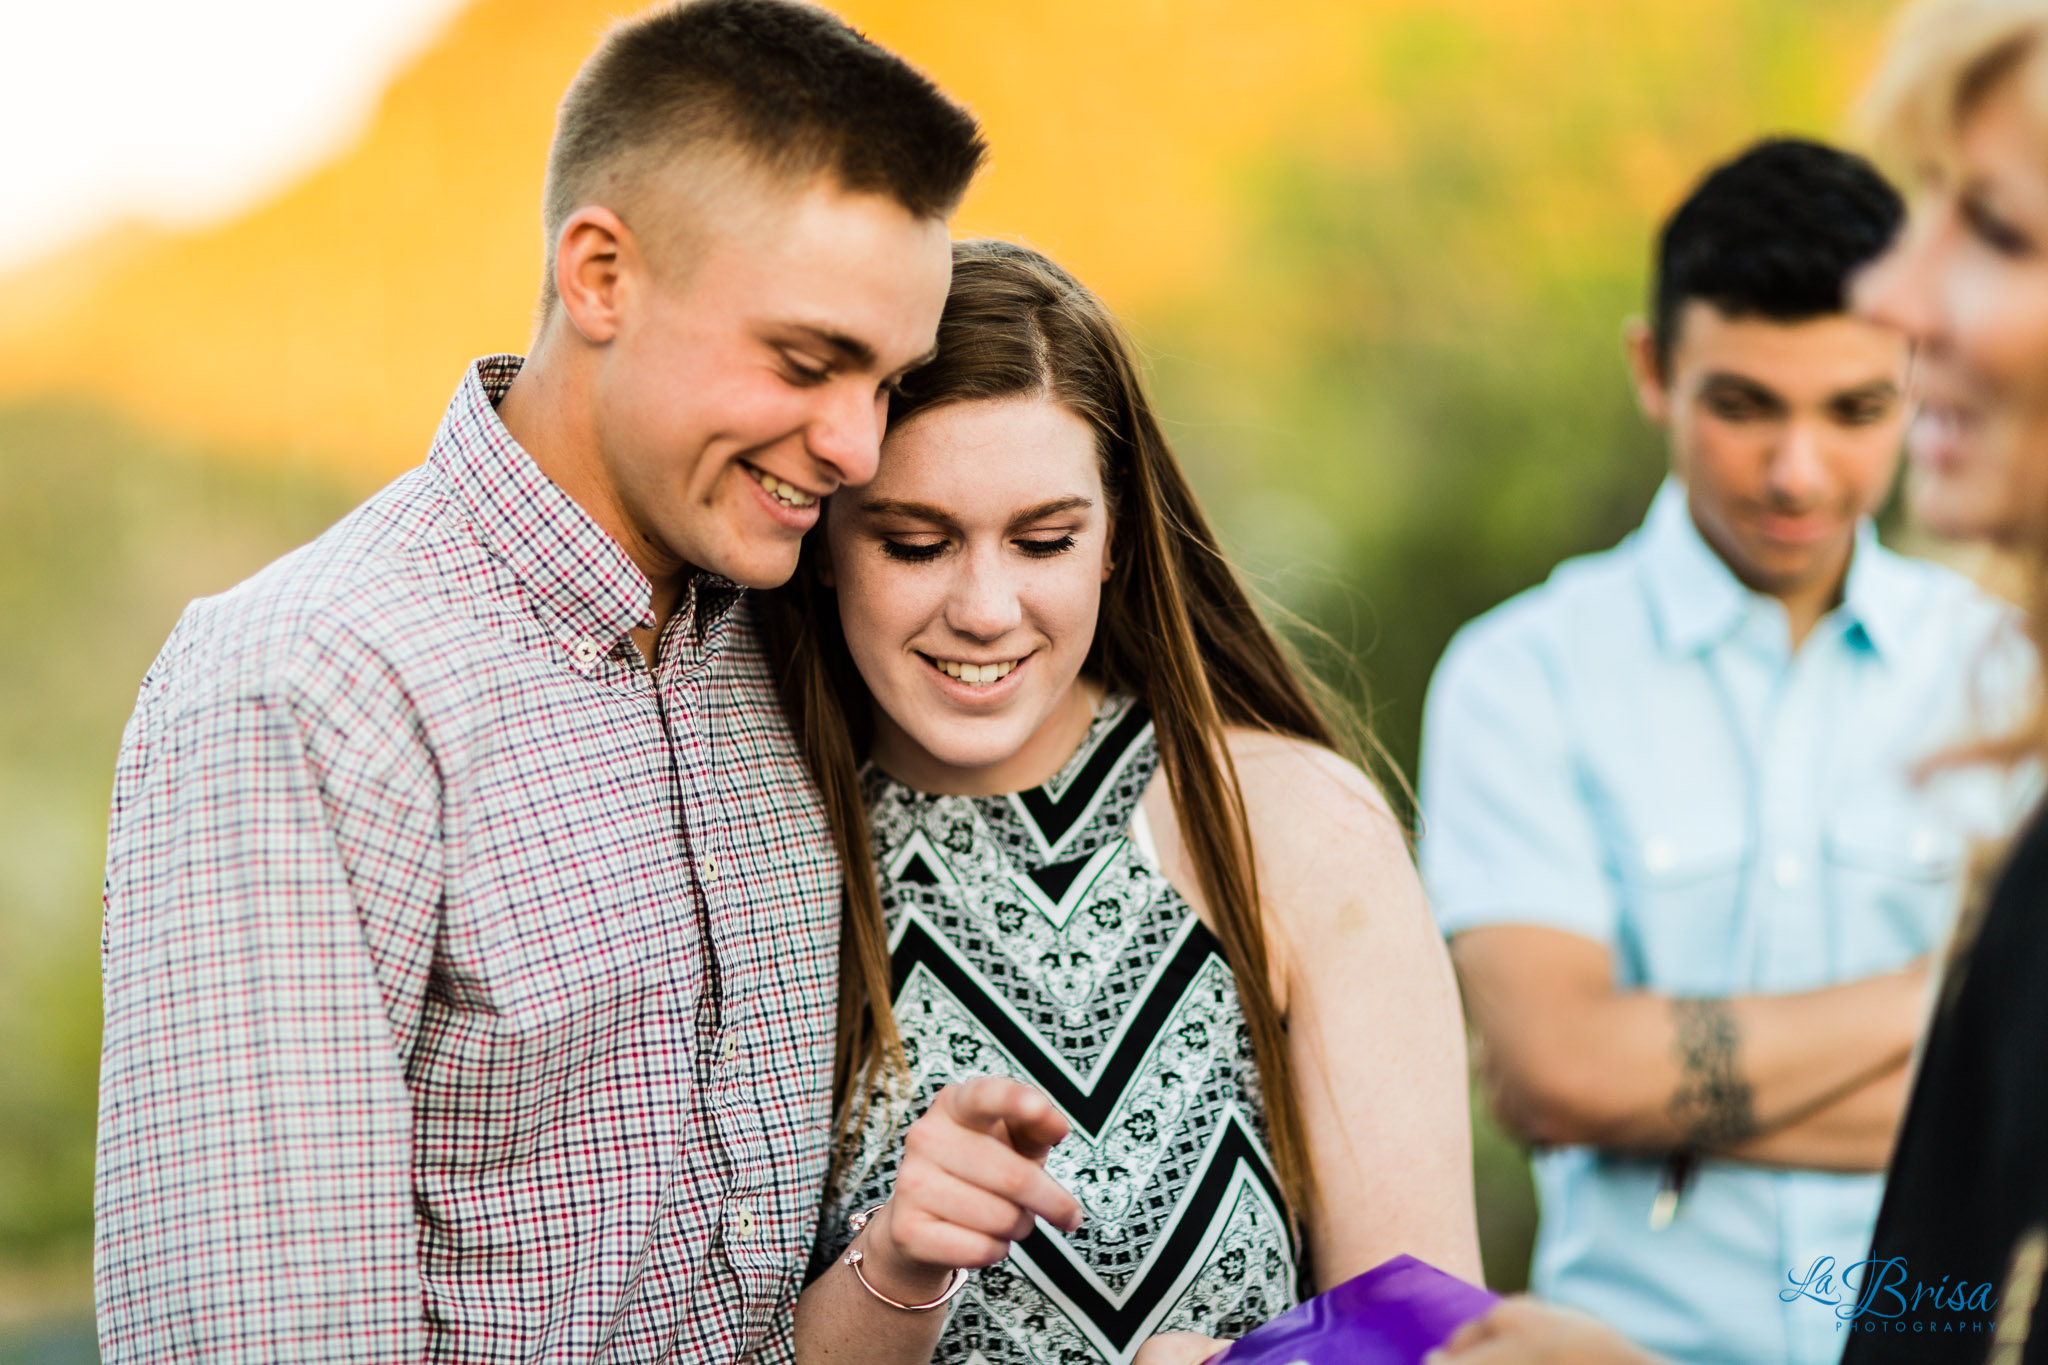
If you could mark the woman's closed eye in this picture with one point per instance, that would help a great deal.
(1043, 548)
(1995, 230)
(923, 551)
(913, 551)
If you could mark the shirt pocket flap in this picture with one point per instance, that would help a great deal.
(1895, 844)
(1680, 916)
(1688, 855)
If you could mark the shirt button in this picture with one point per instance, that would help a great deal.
(743, 1221)
(1786, 871)
(707, 869)
(730, 1050)
(585, 651)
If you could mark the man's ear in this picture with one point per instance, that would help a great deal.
(1653, 396)
(589, 256)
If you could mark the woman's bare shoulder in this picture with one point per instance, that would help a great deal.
(1331, 852)
(1300, 794)
(1337, 877)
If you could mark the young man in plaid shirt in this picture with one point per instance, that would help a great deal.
(471, 931)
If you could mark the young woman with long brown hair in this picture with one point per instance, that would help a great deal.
(1102, 843)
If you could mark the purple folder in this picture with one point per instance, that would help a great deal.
(1394, 1314)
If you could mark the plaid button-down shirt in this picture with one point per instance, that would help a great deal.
(469, 986)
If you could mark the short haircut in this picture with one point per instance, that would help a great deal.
(1776, 233)
(785, 87)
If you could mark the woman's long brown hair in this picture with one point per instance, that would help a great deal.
(1176, 629)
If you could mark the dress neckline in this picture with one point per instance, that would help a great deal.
(1110, 708)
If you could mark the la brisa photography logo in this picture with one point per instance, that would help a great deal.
(1886, 1295)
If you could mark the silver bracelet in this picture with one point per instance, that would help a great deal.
(854, 1256)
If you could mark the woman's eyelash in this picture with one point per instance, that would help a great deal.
(914, 553)
(1044, 548)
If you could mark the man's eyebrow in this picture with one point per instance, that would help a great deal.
(1073, 503)
(1876, 388)
(1749, 388)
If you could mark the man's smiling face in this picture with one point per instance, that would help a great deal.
(744, 387)
(1785, 434)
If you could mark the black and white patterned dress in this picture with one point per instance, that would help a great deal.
(1033, 936)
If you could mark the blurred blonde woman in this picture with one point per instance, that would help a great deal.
(1955, 1271)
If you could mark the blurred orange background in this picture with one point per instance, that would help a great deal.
(1379, 252)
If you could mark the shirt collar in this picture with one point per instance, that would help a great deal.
(580, 580)
(1698, 601)
(1878, 597)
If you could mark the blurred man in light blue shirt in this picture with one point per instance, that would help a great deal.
(1670, 810)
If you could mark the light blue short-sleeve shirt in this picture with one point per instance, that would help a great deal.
(1634, 753)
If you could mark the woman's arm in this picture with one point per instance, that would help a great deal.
(1374, 1028)
(972, 1181)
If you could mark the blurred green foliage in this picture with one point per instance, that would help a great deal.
(105, 534)
(1385, 483)
(1405, 399)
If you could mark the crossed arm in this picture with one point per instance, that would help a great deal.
(1814, 1080)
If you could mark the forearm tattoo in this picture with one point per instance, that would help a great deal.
(1713, 1105)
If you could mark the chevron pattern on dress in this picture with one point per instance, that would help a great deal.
(1031, 937)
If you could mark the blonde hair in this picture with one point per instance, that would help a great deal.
(1944, 56)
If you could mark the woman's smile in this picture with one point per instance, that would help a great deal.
(976, 675)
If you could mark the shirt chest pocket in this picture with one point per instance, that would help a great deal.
(1681, 906)
(1893, 879)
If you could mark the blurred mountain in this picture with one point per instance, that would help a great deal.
(331, 322)
(315, 323)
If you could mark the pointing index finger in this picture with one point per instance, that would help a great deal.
(1019, 1114)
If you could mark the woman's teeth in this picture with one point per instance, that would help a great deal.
(786, 494)
(975, 675)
